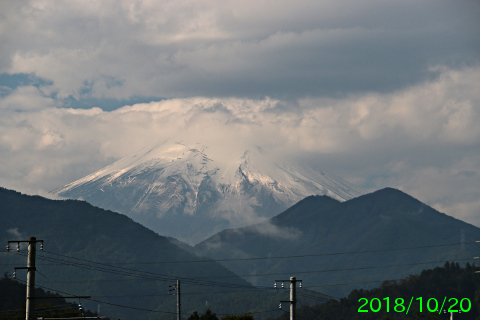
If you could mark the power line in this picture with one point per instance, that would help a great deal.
(350, 283)
(148, 275)
(283, 273)
(52, 308)
(145, 275)
(183, 294)
(307, 308)
(113, 304)
(266, 258)
(130, 307)
(335, 270)
(316, 295)
(252, 312)
(140, 273)
(253, 288)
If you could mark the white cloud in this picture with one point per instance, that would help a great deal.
(17, 235)
(27, 98)
(444, 111)
(423, 139)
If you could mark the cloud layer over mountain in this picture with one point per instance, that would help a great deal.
(424, 139)
(380, 93)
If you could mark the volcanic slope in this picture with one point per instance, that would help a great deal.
(191, 192)
(345, 245)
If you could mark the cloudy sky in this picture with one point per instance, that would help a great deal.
(382, 93)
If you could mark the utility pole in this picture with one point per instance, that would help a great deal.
(293, 297)
(293, 294)
(178, 301)
(32, 249)
(177, 292)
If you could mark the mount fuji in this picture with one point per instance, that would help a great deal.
(191, 192)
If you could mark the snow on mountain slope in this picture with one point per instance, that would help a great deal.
(192, 191)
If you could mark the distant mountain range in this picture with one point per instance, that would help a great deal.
(337, 246)
(190, 192)
(332, 246)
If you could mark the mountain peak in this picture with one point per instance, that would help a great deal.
(385, 195)
(386, 227)
(191, 191)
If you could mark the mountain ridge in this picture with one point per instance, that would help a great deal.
(191, 192)
(375, 229)
(106, 255)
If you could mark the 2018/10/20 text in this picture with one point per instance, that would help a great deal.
(431, 304)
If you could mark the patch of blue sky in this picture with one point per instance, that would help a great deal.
(10, 82)
(106, 104)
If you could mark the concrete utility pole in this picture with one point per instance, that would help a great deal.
(32, 249)
(177, 292)
(293, 294)
(293, 297)
(179, 314)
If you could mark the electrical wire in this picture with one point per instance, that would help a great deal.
(269, 258)
(138, 273)
(335, 270)
(145, 275)
(308, 308)
(113, 304)
(40, 309)
(183, 294)
(148, 275)
(350, 283)
(130, 307)
(263, 274)
(195, 282)
(251, 312)
(253, 288)
(141, 274)
(318, 297)
(300, 272)
(316, 286)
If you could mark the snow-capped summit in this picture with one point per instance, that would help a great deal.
(192, 191)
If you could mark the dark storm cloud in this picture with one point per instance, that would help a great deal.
(281, 49)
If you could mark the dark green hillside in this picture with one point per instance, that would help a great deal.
(449, 281)
(12, 303)
(383, 222)
(116, 261)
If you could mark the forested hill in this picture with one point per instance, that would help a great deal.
(12, 303)
(99, 253)
(460, 286)
(386, 228)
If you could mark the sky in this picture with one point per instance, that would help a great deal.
(381, 93)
